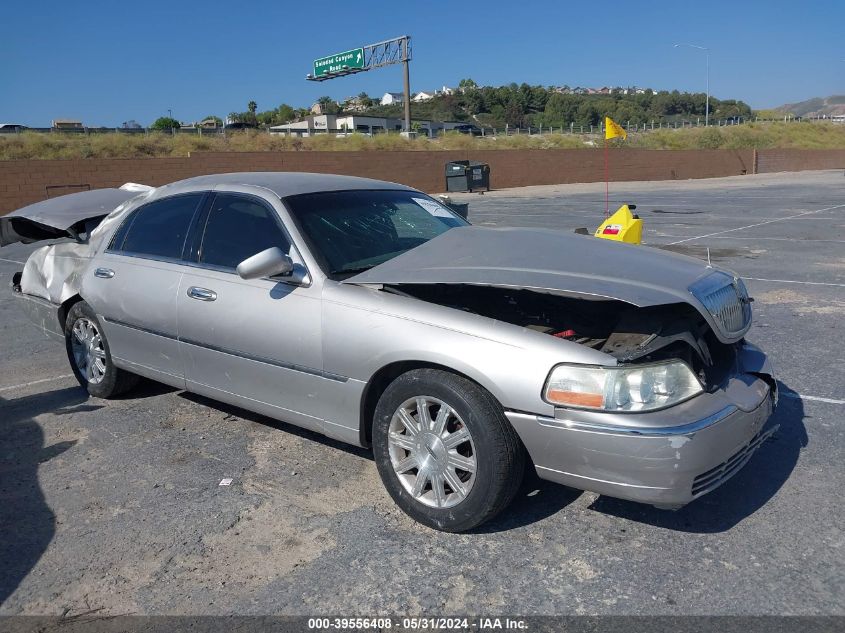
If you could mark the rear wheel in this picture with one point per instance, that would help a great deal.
(445, 451)
(89, 354)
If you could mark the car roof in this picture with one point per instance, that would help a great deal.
(286, 184)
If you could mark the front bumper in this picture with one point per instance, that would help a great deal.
(665, 458)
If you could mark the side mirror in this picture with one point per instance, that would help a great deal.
(266, 264)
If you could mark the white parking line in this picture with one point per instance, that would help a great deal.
(35, 382)
(798, 396)
(751, 226)
(793, 281)
(11, 261)
(775, 239)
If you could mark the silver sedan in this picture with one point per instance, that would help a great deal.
(371, 313)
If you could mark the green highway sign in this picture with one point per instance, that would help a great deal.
(339, 62)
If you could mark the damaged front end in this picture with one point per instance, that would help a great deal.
(629, 333)
(682, 400)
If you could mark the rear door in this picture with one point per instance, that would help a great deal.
(255, 343)
(132, 286)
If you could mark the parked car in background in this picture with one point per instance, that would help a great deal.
(240, 125)
(467, 128)
(371, 313)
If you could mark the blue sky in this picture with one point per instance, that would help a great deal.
(107, 62)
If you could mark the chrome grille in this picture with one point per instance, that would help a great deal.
(726, 298)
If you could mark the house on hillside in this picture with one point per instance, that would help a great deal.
(392, 98)
(425, 95)
(354, 104)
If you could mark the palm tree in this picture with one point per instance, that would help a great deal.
(252, 107)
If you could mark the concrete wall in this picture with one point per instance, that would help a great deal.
(23, 182)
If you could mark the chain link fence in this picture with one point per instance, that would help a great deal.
(477, 130)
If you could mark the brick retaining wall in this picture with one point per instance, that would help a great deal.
(23, 182)
(775, 160)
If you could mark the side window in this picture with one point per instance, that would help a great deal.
(159, 228)
(237, 228)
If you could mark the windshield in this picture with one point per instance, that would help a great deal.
(352, 231)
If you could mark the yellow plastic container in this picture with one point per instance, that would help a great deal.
(622, 226)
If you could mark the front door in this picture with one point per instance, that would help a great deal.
(254, 343)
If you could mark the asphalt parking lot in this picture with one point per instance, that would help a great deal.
(114, 507)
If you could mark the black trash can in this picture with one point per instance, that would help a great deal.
(461, 208)
(467, 175)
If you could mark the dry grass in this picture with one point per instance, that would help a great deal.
(32, 145)
(803, 135)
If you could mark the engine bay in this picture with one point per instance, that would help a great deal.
(628, 333)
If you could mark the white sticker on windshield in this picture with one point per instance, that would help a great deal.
(437, 210)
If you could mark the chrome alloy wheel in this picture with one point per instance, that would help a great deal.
(432, 452)
(89, 355)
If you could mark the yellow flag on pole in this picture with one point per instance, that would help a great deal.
(612, 129)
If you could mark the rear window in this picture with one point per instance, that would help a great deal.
(159, 228)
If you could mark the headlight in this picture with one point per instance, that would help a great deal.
(628, 388)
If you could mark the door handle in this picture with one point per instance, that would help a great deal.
(104, 273)
(203, 294)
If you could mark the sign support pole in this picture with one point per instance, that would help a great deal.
(407, 86)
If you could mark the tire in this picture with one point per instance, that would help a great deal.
(461, 469)
(90, 357)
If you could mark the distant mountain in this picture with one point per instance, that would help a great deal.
(818, 106)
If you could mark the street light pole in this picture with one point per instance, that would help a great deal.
(707, 61)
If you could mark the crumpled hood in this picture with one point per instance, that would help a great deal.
(65, 216)
(545, 261)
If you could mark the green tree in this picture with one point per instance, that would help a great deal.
(588, 113)
(328, 105)
(467, 84)
(514, 113)
(252, 107)
(165, 123)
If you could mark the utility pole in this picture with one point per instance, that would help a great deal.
(707, 61)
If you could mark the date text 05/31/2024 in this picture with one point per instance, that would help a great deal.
(421, 624)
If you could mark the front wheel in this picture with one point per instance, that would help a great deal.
(89, 354)
(445, 451)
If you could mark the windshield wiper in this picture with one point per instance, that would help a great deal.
(350, 271)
